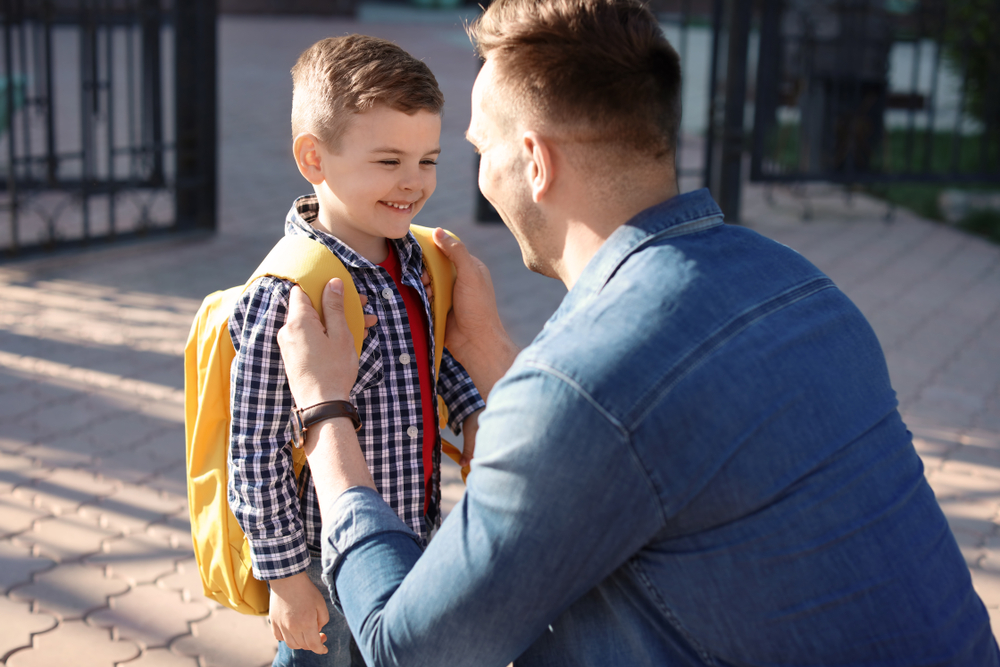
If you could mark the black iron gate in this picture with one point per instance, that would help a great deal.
(107, 120)
(854, 91)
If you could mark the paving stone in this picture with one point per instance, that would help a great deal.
(149, 615)
(131, 508)
(17, 470)
(15, 404)
(172, 479)
(176, 530)
(73, 415)
(978, 516)
(139, 558)
(17, 514)
(17, 434)
(19, 624)
(66, 538)
(70, 591)
(229, 639)
(186, 580)
(123, 431)
(11, 383)
(77, 644)
(54, 455)
(65, 490)
(161, 657)
(987, 473)
(19, 565)
(987, 584)
(959, 480)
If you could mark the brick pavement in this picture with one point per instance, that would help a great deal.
(97, 567)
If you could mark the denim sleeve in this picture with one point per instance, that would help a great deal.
(262, 488)
(556, 501)
(458, 391)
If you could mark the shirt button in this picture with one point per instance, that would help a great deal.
(404, 358)
(387, 293)
(412, 432)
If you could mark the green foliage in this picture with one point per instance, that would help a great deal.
(971, 45)
(984, 223)
(901, 152)
(921, 198)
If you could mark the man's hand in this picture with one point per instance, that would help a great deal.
(321, 365)
(298, 613)
(475, 336)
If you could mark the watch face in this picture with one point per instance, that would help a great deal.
(297, 428)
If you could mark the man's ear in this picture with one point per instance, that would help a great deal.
(305, 147)
(541, 166)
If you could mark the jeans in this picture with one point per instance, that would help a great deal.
(342, 650)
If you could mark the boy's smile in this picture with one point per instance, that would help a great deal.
(377, 179)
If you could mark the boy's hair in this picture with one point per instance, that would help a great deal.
(599, 70)
(340, 76)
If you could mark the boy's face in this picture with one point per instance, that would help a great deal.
(381, 175)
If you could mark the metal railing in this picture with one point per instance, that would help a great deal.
(107, 121)
(859, 91)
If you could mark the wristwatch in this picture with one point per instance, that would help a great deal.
(303, 418)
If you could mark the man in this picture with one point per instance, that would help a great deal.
(697, 462)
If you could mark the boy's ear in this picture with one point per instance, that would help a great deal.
(305, 147)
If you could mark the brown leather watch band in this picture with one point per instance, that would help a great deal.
(303, 418)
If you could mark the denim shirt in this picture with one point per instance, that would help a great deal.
(698, 461)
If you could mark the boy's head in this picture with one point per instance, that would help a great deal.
(366, 125)
(339, 77)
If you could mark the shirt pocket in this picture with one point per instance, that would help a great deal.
(370, 372)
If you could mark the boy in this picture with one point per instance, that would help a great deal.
(366, 122)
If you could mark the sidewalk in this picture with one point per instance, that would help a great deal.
(97, 564)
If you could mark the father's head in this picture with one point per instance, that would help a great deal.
(595, 81)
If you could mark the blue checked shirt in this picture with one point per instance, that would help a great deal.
(263, 491)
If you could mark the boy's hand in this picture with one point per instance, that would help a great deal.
(469, 428)
(298, 613)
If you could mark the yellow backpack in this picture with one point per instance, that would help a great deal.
(221, 548)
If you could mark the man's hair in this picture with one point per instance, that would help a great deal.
(338, 77)
(600, 70)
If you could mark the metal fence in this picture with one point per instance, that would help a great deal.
(107, 120)
(855, 92)
(859, 91)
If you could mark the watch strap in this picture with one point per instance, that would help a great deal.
(328, 410)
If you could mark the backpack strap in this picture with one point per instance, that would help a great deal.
(311, 265)
(442, 273)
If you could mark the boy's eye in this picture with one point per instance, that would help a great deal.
(389, 162)
(430, 162)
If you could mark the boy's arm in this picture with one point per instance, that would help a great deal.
(262, 489)
(263, 492)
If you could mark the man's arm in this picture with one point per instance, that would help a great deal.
(541, 523)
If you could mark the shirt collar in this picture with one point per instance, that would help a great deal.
(305, 210)
(682, 214)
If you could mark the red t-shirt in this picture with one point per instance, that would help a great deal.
(417, 317)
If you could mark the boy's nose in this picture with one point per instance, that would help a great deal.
(411, 181)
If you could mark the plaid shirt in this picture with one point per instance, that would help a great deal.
(263, 492)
